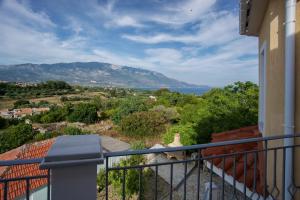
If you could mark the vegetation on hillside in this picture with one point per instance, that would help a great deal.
(135, 115)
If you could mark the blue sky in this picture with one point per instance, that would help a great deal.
(196, 41)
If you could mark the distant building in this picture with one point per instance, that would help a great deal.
(23, 112)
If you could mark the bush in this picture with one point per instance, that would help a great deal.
(143, 124)
(21, 103)
(71, 130)
(225, 109)
(86, 113)
(56, 114)
(15, 136)
(188, 135)
(170, 114)
(3, 123)
(132, 175)
(129, 106)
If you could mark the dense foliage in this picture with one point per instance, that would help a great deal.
(84, 112)
(142, 124)
(188, 135)
(15, 136)
(48, 88)
(138, 114)
(115, 177)
(225, 109)
(129, 106)
(71, 130)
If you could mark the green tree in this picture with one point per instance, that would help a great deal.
(225, 109)
(115, 177)
(22, 103)
(188, 135)
(15, 136)
(141, 124)
(83, 112)
(3, 123)
(129, 106)
(71, 130)
(170, 114)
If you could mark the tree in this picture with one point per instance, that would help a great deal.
(83, 112)
(115, 178)
(21, 103)
(141, 124)
(129, 106)
(225, 109)
(188, 135)
(3, 123)
(15, 136)
(170, 114)
(71, 130)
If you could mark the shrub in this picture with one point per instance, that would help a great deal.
(15, 136)
(71, 130)
(170, 114)
(86, 113)
(188, 135)
(3, 123)
(132, 176)
(143, 124)
(225, 109)
(21, 103)
(129, 106)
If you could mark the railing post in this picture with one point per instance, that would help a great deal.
(72, 161)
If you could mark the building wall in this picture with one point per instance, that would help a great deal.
(297, 114)
(272, 32)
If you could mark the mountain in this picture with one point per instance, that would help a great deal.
(90, 73)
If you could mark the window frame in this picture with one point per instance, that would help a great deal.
(262, 86)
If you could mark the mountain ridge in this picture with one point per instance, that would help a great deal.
(91, 74)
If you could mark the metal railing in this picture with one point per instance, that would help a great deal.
(200, 176)
(267, 171)
(24, 192)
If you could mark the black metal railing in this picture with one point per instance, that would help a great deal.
(23, 191)
(257, 173)
(245, 173)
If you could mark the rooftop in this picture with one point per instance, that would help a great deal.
(27, 151)
(238, 134)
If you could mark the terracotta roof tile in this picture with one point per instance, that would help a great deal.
(242, 133)
(27, 151)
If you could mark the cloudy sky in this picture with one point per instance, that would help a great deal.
(196, 41)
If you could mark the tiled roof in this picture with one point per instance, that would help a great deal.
(242, 133)
(24, 111)
(27, 151)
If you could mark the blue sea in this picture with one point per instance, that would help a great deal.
(195, 91)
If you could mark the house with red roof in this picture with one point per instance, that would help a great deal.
(17, 189)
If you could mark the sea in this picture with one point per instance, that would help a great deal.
(196, 91)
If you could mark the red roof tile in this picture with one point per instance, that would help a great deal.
(242, 133)
(27, 151)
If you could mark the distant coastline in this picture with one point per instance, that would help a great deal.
(196, 90)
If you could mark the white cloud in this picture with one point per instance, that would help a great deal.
(28, 36)
(212, 32)
(182, 12)
(125, 21)
(20, 11)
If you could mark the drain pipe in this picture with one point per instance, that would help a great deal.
(289, 98)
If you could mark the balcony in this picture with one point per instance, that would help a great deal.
(252, 168)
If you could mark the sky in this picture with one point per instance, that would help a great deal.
(196, 41)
